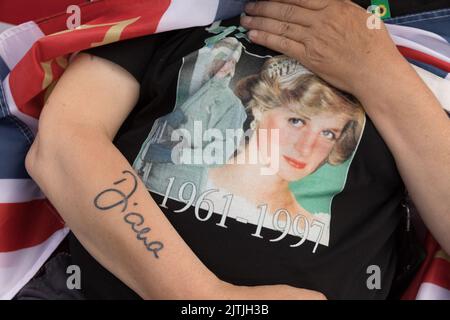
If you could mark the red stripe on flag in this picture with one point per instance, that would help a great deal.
(431, 247)
(27, 78)
(26, 224)
(438, 273)
(423, 57)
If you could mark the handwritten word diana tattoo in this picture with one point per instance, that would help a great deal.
(136, 220)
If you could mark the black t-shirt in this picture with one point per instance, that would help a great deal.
(319, 212)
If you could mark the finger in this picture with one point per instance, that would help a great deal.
(285, 29)
(307, 4)
(278, 43)
(282, 12)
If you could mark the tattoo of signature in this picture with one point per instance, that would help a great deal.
(134, 219)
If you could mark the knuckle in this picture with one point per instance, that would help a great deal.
(284, 28)
(288, 12)
(285, 44)
(312, 52)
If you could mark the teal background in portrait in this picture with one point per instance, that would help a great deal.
(316, 191)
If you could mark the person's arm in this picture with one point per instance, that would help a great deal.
(332, 39)
(416, 129)
(102, 199)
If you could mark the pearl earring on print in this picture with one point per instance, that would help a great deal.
(254, 125)
(257, 115)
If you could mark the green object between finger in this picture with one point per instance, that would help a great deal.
(385, 9)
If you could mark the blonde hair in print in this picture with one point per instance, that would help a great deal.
(283, 81)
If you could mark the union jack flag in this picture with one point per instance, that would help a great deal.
(34, 54)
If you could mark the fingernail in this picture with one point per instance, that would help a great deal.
(249, 6)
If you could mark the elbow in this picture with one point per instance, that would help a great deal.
(37, 162)
(53, 135)
(31, 158)
(41, 154)
(39, 149)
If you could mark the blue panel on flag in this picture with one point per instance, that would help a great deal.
(437, 21)
(3, 69)
(229, 8)
(439, 72)
(13, 149)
